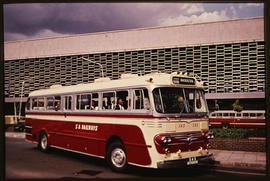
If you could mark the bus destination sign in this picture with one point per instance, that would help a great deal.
(183, 80)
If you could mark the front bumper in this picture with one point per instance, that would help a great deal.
(181, 162)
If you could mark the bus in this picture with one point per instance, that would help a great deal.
(233, 119)
(158, 120)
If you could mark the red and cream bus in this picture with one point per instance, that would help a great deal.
(161, 120)
(233, 119)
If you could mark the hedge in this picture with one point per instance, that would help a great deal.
(238, 132)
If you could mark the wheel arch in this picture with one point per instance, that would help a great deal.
(113, 138)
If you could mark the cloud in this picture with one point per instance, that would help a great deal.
(31, 20)
(203, 17)
(195, 8)
(41, 34)
(234, 12)
(27, 21)
(241, 6)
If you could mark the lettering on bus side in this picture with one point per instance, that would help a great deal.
(86, 127)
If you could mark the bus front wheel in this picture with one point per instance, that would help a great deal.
(116, 157)
(43, 142)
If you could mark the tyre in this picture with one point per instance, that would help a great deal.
(43, 142)
(225, 125)
(116, 157)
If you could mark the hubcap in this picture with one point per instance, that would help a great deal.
(118, 157)
(44, 142)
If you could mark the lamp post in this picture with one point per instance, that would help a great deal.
(102, 74)
(20, 108)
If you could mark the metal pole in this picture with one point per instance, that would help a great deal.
(15, 112)
(21, 101)
(102, 74)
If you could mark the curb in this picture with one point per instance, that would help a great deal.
(253, 166)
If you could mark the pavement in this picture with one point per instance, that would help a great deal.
(255, 161)
(240, 159)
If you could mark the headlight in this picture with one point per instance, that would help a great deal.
(210, 135)
(166, 139)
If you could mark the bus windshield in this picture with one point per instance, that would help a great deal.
(179, 100)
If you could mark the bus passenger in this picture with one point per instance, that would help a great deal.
(120, 106)
(57, 107)
(93, 106)
(146, 103)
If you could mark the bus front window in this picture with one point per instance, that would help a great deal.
(178, 100)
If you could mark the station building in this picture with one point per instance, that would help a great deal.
(228, 55)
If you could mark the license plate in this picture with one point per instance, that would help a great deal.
(192, 161)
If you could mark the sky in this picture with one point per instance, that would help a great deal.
(32, 21)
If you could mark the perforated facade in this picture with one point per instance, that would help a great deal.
(233, 66)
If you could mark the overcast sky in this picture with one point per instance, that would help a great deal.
(31, 21)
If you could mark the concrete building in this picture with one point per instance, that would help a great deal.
(228, 55)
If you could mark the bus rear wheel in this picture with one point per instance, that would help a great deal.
(43, 142)
(225, 125)
(116, 157)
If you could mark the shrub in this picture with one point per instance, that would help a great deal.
(238, 132)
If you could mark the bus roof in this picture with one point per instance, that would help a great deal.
(126, 80)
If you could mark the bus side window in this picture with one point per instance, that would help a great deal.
(68, 102)
(122, 100)
(146, 101)
(34, 103)
(141, 99)
(225, 114)
(252, 115)
(95, 100)
(238, 114)
(37, 103)
(245, 115)
(57, 103)
(49, 105)
(85, 101)
(108, 101)
(219, 114)
(232, 115)
(40, 104)
(260, 115)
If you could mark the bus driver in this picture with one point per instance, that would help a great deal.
(180, 103)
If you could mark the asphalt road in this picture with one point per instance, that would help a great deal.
(25, 161)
